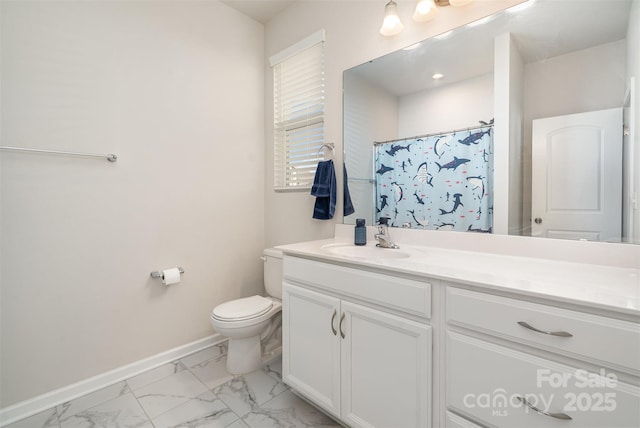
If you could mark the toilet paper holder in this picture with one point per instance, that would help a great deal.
(158, 274)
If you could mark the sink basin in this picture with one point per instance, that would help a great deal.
(365, 252)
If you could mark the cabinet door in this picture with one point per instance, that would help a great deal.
(386, 369)
(311, 346)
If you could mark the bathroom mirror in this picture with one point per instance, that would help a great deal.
(426, 151)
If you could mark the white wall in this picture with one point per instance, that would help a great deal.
(507, 186)
(175, 89)
(581, 81)
(352, 37)
(454, 106)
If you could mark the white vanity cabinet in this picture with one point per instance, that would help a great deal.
(511, 362)
(358, 343)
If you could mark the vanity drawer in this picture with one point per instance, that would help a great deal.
(455, 421)
(599, 339)
(485, 381)
(406, 295)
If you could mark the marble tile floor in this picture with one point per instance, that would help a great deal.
(193, 392)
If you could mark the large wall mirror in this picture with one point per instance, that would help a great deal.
(525, 123)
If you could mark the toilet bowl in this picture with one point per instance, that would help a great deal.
(248, 320)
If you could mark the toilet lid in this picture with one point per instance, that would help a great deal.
(242, 309)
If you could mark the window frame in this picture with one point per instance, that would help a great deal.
(298, 103)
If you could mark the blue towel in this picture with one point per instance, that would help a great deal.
(348, 205)
(324, 189)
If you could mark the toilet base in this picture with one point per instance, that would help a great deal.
(244, 355)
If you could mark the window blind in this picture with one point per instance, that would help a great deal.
(298, 83)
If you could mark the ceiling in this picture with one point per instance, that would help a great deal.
(545, 29)
(260, 10)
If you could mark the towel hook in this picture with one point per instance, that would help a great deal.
(330, 146)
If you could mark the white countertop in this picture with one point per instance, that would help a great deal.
(605, 287)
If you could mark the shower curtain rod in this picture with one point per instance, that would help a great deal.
(109, 157)
(377, 143)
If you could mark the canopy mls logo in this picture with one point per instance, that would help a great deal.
(499, 401)
(590, 398)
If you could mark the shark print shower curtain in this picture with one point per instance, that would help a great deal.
(439, 182)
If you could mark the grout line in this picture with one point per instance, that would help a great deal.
(143, 409)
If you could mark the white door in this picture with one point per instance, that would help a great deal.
(577, 176)
(311, 346)
(386, 370)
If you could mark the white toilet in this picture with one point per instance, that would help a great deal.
(248, 320)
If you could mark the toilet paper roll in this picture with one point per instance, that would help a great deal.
(170, 276)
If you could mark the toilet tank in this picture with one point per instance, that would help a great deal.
(273, 272)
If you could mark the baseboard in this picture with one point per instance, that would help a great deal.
(56, 397)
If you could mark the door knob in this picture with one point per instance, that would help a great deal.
(538, 220)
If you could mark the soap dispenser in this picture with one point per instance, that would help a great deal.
(360, 232)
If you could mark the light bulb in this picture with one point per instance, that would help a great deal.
(391, 25)
(425, 10)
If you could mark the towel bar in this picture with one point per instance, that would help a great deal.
(110, 157)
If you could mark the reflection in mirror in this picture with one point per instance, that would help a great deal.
(511, 125)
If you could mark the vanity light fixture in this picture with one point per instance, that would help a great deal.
(391, 25)
(425, 11)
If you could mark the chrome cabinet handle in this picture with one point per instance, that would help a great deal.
(341, 320)
(550, 333)
(333, 318)
(563, 416)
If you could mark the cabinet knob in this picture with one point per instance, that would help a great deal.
(538, 220)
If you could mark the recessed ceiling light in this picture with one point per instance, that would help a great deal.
(437, 76)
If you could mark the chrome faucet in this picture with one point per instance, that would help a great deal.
(383, 237)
